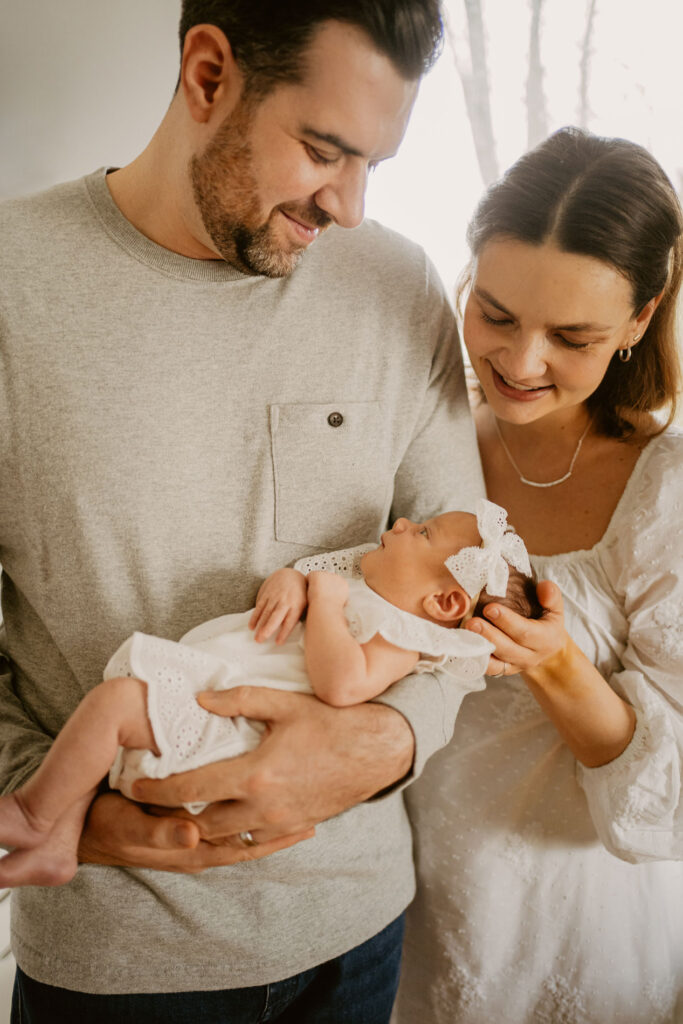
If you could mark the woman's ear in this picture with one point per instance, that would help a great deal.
(447, 606)
(209, 76)
(642, 321)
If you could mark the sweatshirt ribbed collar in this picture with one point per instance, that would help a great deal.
(143, 248)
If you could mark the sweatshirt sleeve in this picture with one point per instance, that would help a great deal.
(440, 471)
(635, 800)
(23, 745)
(430, 703)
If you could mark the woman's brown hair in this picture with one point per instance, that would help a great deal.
(608, 199)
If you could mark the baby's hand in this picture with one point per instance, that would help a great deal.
(280, 603)
(328, 586)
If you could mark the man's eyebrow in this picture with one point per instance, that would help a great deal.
(330, 139)
(577, 328)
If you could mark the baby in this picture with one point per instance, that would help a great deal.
(374, 614)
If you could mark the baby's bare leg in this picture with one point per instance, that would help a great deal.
(113, 714)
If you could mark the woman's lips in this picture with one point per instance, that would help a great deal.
(518, 394)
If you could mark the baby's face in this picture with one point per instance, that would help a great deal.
(409, 563)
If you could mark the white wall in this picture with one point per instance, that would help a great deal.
(82, 83)
(85, 82)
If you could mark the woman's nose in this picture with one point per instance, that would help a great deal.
(523, 360)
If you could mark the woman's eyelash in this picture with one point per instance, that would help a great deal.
(577, 346)
(492, 320)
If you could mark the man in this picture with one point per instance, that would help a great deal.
(191, 399)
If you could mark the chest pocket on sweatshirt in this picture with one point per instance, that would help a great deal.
(333, 482)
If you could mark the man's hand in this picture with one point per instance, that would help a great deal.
(313, 762)
(120, 833)
(280, 603)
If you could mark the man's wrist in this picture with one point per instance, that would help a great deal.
(396, 742)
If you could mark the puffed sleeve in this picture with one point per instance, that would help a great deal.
(635, 800)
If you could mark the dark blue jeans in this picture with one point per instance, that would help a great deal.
(356, 988)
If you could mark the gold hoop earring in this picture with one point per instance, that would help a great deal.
(625, 354)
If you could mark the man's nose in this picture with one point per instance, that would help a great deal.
(343, 198)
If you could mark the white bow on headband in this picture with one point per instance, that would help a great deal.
(486, 567)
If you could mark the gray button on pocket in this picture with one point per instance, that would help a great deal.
(335, 419)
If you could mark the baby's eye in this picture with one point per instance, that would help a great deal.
(424, 532)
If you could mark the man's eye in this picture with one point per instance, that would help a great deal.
(319, 158)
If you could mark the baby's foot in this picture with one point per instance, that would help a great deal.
(40, 855)
(19, 829)
(43, 865)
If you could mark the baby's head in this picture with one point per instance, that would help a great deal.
(440, 569)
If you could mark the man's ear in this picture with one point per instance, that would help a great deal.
(209, 76)
(447, 606)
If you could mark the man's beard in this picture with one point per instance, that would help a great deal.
(225, 169)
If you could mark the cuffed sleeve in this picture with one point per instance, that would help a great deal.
(430, 703)
(635, 800)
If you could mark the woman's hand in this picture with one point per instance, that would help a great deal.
(595, 723)
(523, 644)
(280, 603)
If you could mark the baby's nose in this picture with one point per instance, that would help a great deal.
(401, 525)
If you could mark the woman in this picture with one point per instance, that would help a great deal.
(549, 834)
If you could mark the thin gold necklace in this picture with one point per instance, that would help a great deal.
(536, 483)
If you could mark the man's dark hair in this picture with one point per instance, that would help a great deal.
(269, 37)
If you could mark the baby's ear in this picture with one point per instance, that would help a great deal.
(447, 606)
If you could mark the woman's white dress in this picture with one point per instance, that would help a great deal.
(550, 893)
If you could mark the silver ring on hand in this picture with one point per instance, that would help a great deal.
(248, 839)
(505, 665)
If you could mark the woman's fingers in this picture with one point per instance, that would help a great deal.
(518, 641)
(496, 668)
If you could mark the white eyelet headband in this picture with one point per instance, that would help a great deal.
(486, 567)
